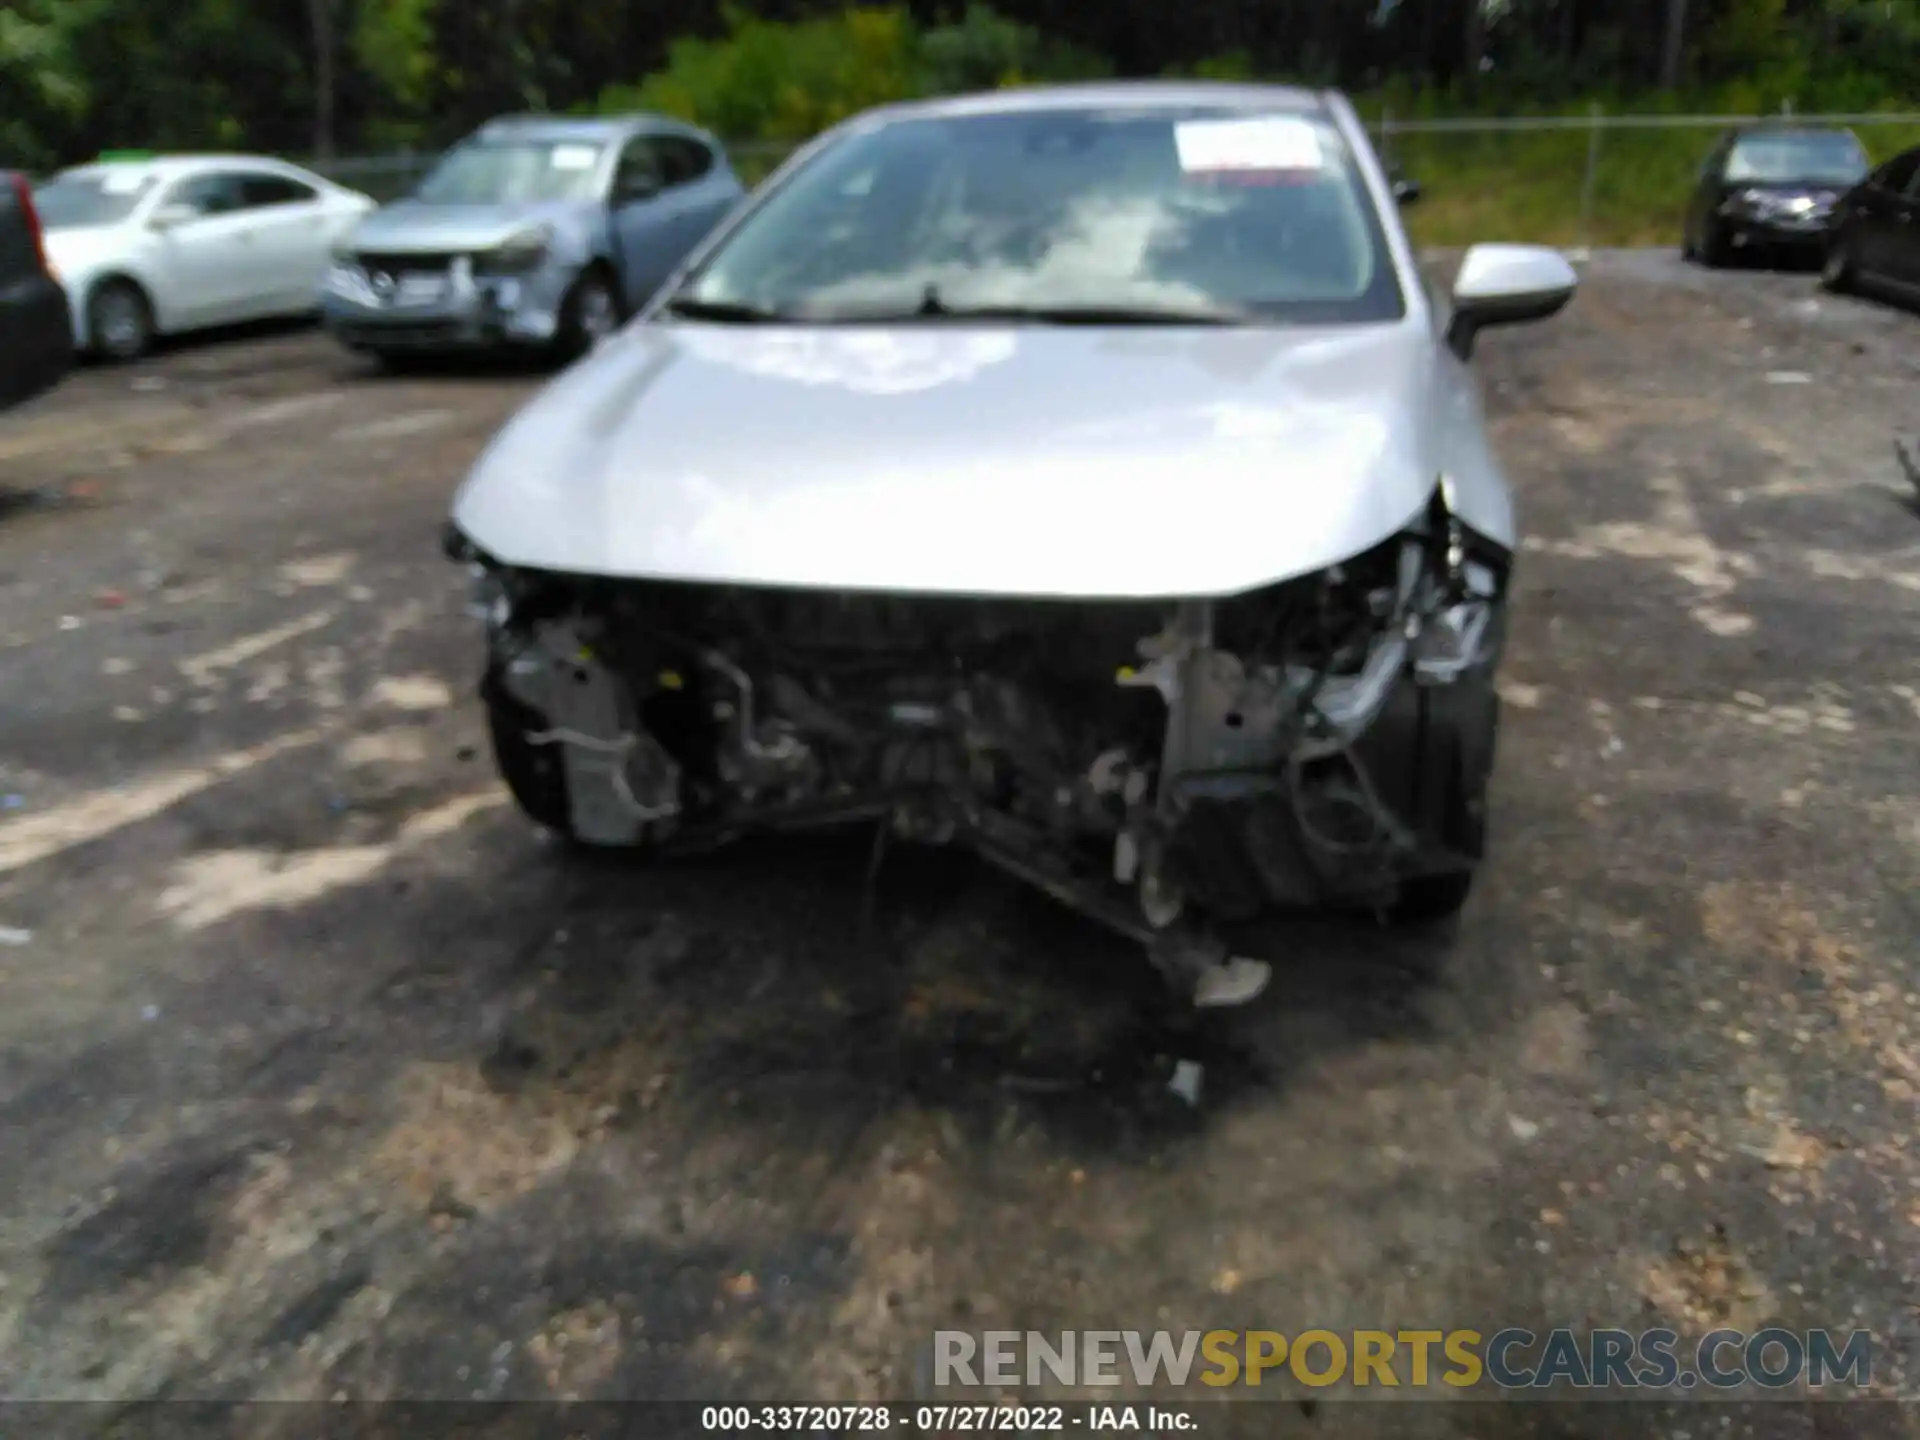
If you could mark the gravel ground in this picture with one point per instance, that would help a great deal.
(322, 1077)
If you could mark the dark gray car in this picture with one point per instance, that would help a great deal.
(537, 230)
(1875, 243)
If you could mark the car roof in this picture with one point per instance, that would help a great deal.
(582, 127)
(173, 167)
(1788, 127)
(1105, 94)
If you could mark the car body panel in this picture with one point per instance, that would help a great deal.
(1904, 263)
(211, 271)
(956, 459)
(877, 458)
(655, 233)
(1895, 231)
(36, 343)
(1878, 221)
(258, 261)
(637, 244)
(415, 227)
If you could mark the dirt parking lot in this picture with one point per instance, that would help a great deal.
(322, 1077)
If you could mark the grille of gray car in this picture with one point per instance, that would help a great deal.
(397, 265)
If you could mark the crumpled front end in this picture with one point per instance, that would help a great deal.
(444, 301)
(1171, 769)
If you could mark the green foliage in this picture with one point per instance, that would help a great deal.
(769, 81)
(1527, 185)
(986, 51)
(1234, 65)
(44, 88)
(393, 43)
(1750, 38)
(80, 75)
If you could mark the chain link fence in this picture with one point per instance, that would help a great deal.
(1577, 181)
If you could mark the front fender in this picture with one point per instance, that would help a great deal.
(1478, 492)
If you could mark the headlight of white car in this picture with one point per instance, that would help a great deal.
(517, 254)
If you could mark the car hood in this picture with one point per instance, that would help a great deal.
(1026, 460)
(77, 250)
(414, 227)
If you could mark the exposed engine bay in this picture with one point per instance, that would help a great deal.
(1171, 769)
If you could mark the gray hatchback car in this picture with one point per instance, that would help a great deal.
(542, 231)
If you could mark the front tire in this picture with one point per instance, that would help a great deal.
(399, 363)
(590, 314)
(1841, 271)
(1462, 766)
(1714, 249)
(1430, 899)
(119, 321)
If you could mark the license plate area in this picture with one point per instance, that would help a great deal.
(418, 288)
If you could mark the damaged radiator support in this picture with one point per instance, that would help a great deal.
(1162, 768)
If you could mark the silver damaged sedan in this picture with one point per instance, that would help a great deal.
(1082, 476)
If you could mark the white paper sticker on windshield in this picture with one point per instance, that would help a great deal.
(1270, 144)
(122, 182)
(574, 157)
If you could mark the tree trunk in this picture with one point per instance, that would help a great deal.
(1675, 47)
(320, 15)
(1476, 38)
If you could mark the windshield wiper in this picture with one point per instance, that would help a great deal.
(1095, 314)
(932, 307)
(728, 312)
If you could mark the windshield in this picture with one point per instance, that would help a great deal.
(92, 197)
(1821, 157)
(513, 172)
(1147, 210)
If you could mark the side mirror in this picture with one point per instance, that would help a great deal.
(1406, 192)
(167, 217)
(1507, 285)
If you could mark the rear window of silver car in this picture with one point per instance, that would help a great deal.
(80, 198)
(1261, 213)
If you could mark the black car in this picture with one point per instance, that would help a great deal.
(1770, 189)
(1875, 242)
(36, 331)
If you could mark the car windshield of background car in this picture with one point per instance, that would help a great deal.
(1783, 159)
(513, 172)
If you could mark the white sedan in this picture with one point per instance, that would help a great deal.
(159, 246)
